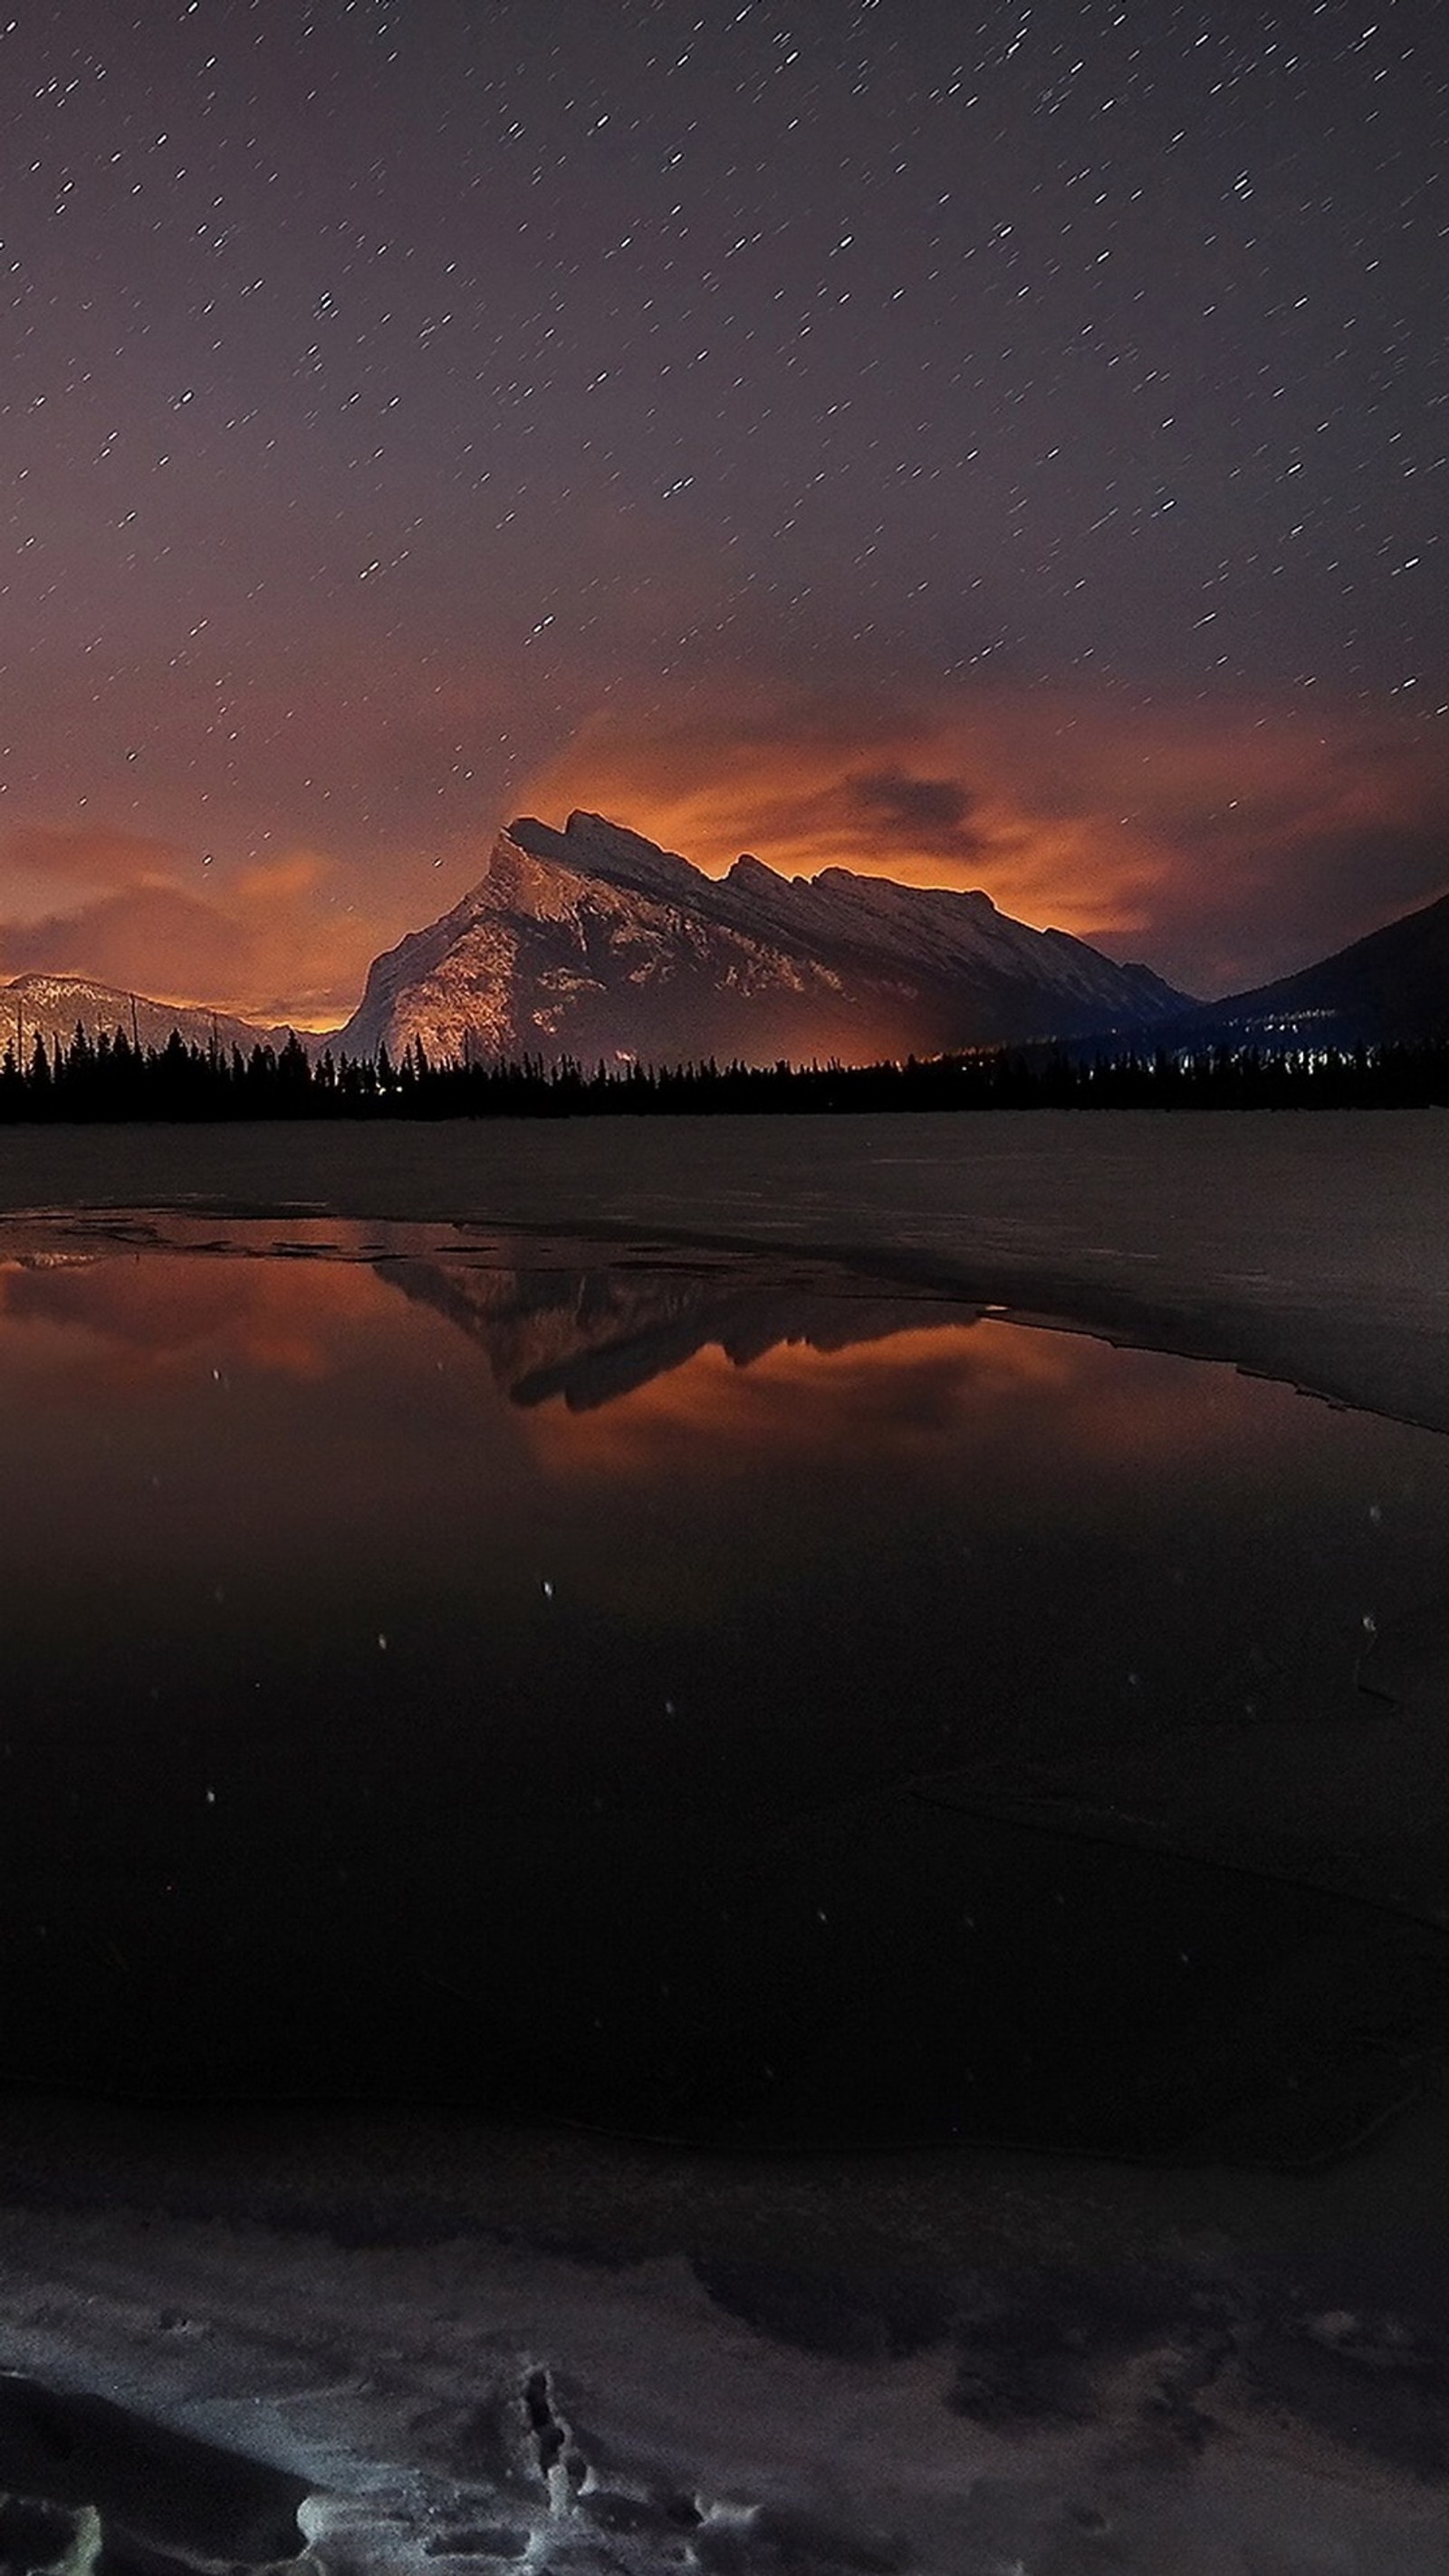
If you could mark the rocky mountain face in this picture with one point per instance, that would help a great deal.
(1391, 985)
(51, 1006)
(594, 943)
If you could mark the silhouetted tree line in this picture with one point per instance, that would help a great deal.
(111, 1077)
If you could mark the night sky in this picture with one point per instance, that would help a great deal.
(997, 445)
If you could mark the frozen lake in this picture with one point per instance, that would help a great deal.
(722, 1700)
(658, 1759)
(1308, 1244)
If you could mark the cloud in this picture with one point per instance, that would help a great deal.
(1224, 841)
(930, 795)
(148, 939)
(926, 813)
(273, 881)
(269, 943)
(92, 854)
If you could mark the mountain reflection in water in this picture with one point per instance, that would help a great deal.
(713, 1698)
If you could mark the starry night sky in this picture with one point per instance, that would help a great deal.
(993, 444)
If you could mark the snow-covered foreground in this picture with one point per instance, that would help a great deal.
(472, 2348)
(488, 2351)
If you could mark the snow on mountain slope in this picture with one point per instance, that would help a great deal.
(52, 1006)
(593, 942)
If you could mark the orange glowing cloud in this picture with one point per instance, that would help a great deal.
(151, 938)
(1224, 840)
(1226, 843)
(269, 940)
(95, 854)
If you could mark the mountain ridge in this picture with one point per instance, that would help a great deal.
(597, 943)
(571, 939)
(51, 1006)
(1390, 985)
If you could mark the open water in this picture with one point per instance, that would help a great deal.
(722, 1700)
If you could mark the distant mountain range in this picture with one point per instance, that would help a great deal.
(594, 943)
(1391, 986)
(53, 1006)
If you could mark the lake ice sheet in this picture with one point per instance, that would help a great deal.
(690, 1698)
(714, 1700)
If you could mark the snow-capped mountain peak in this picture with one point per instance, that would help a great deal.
(596, 943)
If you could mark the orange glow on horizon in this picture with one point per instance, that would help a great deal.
(1226, 842)
(1194, 835)
(266, 941)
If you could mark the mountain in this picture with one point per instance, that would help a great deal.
(592, 942)
(49, 1006)
(1394, 984)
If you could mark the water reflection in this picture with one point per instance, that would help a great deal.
(556, 1679)
(117, 1322)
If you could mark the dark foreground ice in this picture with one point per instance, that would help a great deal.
(417, 2337)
